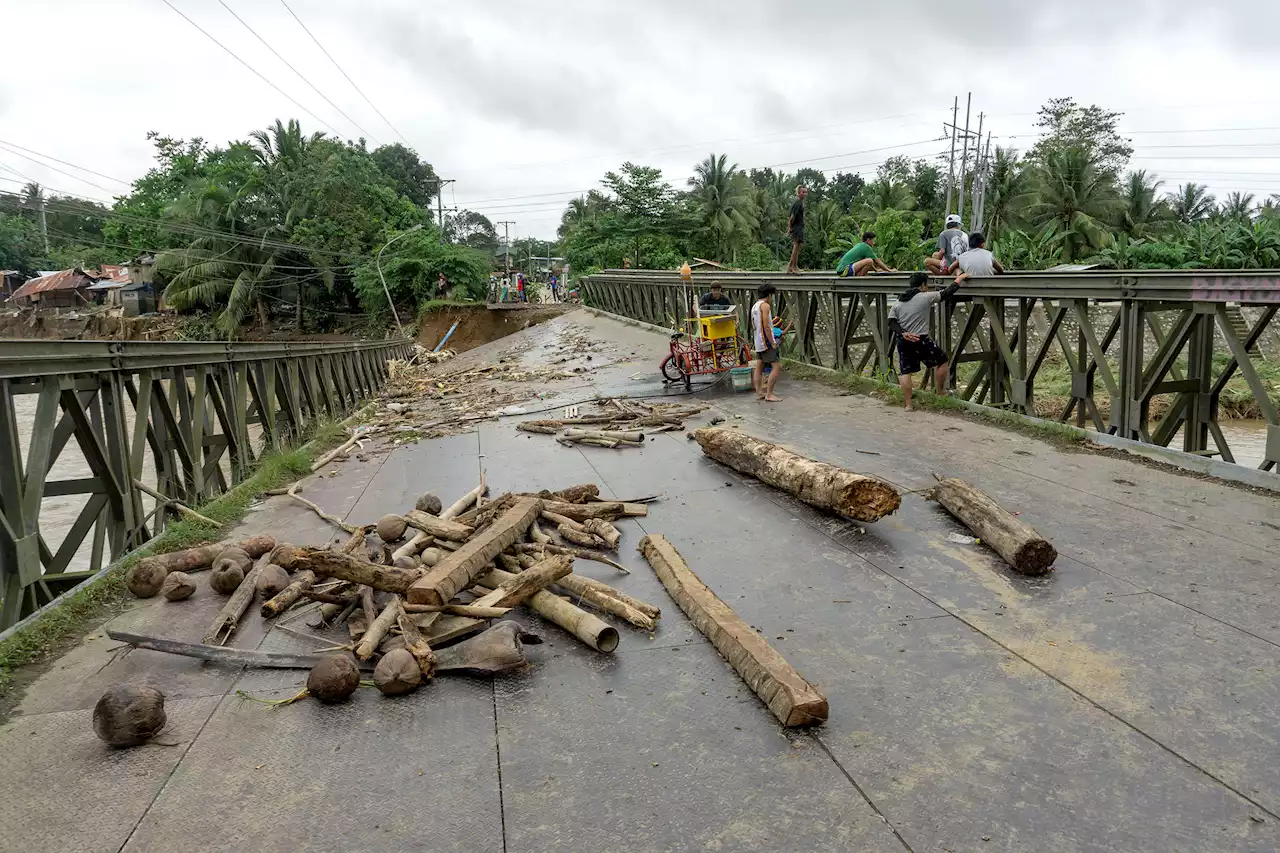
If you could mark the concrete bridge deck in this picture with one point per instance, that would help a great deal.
(1128, 702)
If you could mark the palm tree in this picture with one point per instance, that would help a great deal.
(283, 144)
(1191, 203)
(885, 194)
(1239, 206)
(1010, 190)
(1140, 210)
(820, 222)
(725, 206)
(1075, 198)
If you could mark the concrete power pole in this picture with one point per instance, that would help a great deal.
(440, 204)
(977, 175)
(964, 156)
(951, 169)
(44, 226)
(506, 243)
(982, 196)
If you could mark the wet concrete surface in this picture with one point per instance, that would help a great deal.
(1125, 702)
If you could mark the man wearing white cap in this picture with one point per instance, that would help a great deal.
(952, 243)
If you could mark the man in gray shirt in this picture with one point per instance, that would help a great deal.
(977, 262)
(952, 243)
(909, 321)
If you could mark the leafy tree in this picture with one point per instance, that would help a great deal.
(1075, 198)
(725, 206)
(846, 190)
(757, 256)
(412, 267)
(409, 176)
(815, 180)
(1069, 125)
(20, 245)
(1191, 203)
(883, 194)
(1140, 212)
(471, 229)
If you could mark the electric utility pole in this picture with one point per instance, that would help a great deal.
(951, 169)
(440, 182)
(977, 176)
(964, 154)
(982, 196)
(506, 242)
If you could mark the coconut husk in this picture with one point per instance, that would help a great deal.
(272, 580)
(391, 528)
(178, 586)
(428, 502)
(129, 714)
(397, 673)
(226, 578)
(334, 679)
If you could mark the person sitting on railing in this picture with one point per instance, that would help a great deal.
(716, 299)
(977, 262)
(909, 321)
(952, 243)
(862, 258)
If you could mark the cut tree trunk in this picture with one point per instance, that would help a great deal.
(520, 588)
(636, 438)
(583, 625)
(470, 610)
(438, 527)
(335, 564)
(460, 569)
(579, 537)
(608, 510)
(608, 534)
(581, 553)
(302, 582)
(1014, 540)
(224, 624)
(794, 701)
(816, 483)
(562, 520)
(610, 600)
(465, 501)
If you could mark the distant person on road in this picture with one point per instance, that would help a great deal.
(795, 228)
(765, 346)
(909, 321)
(952, 243)
(520, 296)
(977, 262)
(715, 298)
(554, 284)
(506, 288)
(862, 258)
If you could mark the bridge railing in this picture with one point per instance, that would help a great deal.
(118, 413)
(1127, 339)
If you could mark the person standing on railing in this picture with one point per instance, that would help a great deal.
(795, 228)
(909, 321)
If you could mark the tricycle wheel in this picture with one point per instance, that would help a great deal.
(671, 370)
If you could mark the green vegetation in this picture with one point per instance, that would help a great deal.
(88, 605)
(283, 225)
(1070, 199)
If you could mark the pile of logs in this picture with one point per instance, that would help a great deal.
(419, 582)
(619, 423)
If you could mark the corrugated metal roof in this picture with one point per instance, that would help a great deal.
(64, 280)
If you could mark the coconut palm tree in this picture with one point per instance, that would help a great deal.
(1139, 210)
(1011, 188)
(1075, 198)
(1239, 206)
(283, 144)
(725, 207)
(1191, 203)
(885, 194)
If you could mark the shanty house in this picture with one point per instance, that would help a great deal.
(62, 289)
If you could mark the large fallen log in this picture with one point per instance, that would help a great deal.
(590, 629)
(794, 701)
(816, 483)
(520, 588)
(147, 575)
(1014, 540)
(335, 564)
(460, 569)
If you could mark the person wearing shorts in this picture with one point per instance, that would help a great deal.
(909, 321)
(765, 345)
(795, 228)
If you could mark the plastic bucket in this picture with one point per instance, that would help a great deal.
(741, 377)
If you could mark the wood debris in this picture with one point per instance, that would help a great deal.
(618, 423)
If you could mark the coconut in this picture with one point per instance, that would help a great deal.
(398, 672)
(272, 580)
(234, 554)
(391, 528)
(129, 714)
(405, 563)
(146, 577)
(178, 586)
(226, 578)
(334, 678)
(428, 502)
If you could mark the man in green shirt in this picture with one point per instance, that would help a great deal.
(862, 258)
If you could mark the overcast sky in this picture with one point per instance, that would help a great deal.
(528, 102)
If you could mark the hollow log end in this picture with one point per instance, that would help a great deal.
(607, 640)
(867, 500)
(1035, 557)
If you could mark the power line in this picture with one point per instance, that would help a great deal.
(250, 67)
(344, 73)
(50, 168)
(64, 162)
(304, 78)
